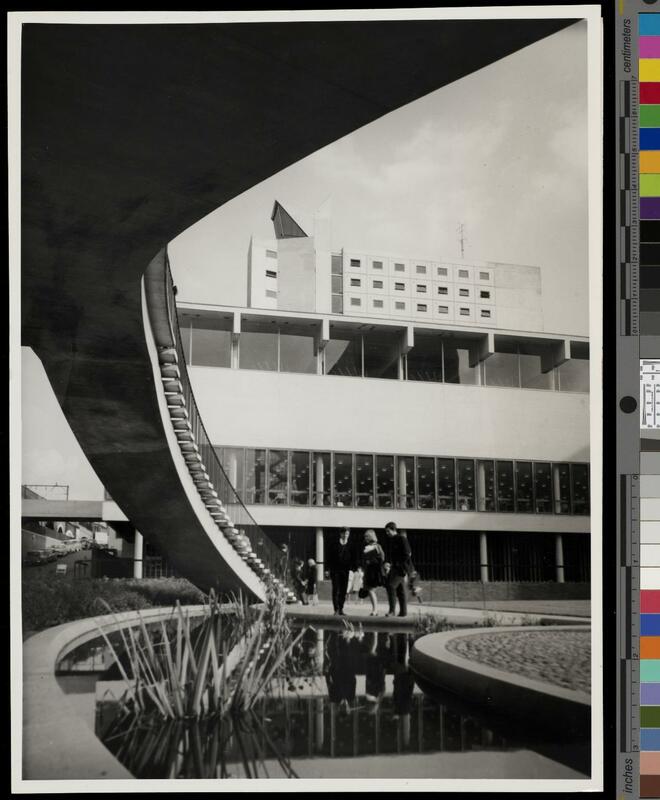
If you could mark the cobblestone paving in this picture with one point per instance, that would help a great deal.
(562, 658)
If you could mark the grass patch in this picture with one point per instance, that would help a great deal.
(49, 599)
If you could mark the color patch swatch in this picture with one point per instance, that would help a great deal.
(649, 173)
(649, 639)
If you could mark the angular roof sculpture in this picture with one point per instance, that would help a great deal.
(285, 225)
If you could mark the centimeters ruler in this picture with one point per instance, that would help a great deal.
(628, 180)
(628, 651)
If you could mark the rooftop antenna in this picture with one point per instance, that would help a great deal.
(461, 238)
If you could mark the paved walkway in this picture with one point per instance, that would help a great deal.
(463, 615)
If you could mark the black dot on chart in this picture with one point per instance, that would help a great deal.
(628, 404)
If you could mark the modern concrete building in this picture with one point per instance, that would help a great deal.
(363, 388)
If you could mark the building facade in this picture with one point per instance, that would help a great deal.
(354, 389)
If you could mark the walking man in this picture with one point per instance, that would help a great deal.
(402, 566)
(341, 561)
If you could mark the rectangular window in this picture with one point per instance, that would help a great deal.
(300, 478)
(364, 480)
(336, 264)
(356, 301)
(400, 287)
(271, 273)
(271, 293)
(501, 368)
(463, 273)
(531, 366)
(446, 484)
(337, 304)
(442, 271)
(464, 292)
(485, 312)
(543, 488)
(385, 481)
(484, 276)
(464, 312)
(399, 267)
(424, 361)
(524, 487)
(378, 303)
(377, 264)
(505, 486)
(456, 361)
(321, 479)
(425, 482)
(233, 462)
(255, 476)
(484, 295)
(443, 309)
(356, 282)
(466, 488)
(574, 373)
(486, 485)
(377, 284)
(400, 306)
(271, 254)
(405, 481)
(278, 477)
(297, 352)
(420, 269)
(337, 284)
(381, 354)
(355, 262)
(211, 343)
(421, 288)
(443, 290)
(561, 478)
(580, 488)
(258, 350)
(422, 307)
(343, 479)
(343, 353)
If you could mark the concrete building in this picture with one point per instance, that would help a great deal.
(364, 387)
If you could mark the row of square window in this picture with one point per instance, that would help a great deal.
(462, 273)
(422, 308)
(422, 288)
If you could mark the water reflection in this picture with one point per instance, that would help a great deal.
(350, 695)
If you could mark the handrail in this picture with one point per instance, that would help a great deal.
(266, 551)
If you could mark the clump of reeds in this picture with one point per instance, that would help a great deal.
(230, 661)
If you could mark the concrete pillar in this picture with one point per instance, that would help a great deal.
(483, 556)
(319, 554)
(556, 485)
(137, 555)
(233, 469)
(320, 651)
(481, 486)
(319, 727)
(402, 487)
(559, 557)
(318, 466)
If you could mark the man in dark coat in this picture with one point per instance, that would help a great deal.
(341, 560)
(402, 566)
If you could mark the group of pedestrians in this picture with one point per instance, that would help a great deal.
(395, 576)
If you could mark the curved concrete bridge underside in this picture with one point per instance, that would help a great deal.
(133, 133)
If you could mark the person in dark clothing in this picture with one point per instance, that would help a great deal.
(299, 580)
(402, 566)
(340, 668)
(341, 560)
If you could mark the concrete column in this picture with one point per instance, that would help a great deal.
(318, 466)
(319, 554)
(319, 727)
(137, 555)
(483, 556)
(481, 486)
(556, 485)
(559, 557)
(402, 487)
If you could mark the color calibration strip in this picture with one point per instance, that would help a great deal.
(649, 172)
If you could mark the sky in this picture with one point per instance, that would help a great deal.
(502, 151)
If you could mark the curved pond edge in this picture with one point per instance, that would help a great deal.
(57, 743)
(497, 690)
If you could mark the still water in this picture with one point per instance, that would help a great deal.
(354, 709)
